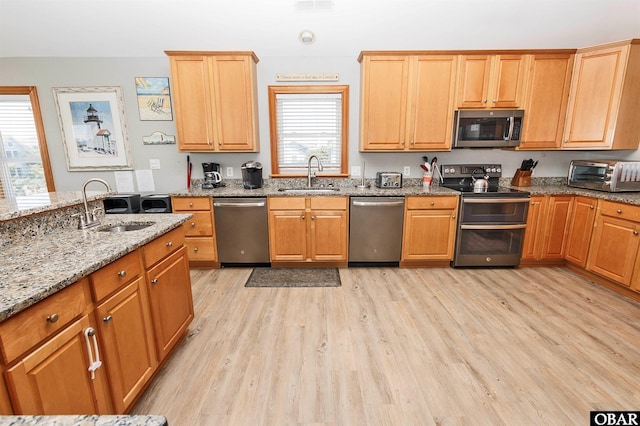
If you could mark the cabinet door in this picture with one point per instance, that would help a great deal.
(171, 301)
(508, 75)
(54, 379)
(594, 98)
(5, 402)
(384, 102)
(431, 102)
(546, 101)
(287, 235)
(191, 101)
(531, 246)
(232, 79)
(556, 220)
(126, 334)
(429, 235)
(580, 229)
(473, 83)
(329, 235)
(614, 249)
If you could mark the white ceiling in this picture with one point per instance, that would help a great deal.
(145, 28)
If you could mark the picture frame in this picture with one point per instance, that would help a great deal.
(94, 128)
(154, 98)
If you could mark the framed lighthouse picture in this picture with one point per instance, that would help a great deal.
(94, 129)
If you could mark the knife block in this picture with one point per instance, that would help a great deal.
(521, 178)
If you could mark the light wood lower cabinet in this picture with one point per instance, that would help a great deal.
(199, 230)
(5, 402)
(544, 238)
(312, 229)
(583, 213)
(429, 228)
(53, 379)
(614, 247)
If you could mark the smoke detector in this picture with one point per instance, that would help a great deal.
(306, 37)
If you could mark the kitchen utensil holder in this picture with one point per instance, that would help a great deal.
(522, 178)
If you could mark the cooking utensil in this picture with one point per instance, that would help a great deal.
(424, 168)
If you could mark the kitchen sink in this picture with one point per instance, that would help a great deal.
(125, 227)
(309, 190)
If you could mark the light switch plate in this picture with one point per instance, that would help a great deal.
(154, 164)
(229, 171)
(407, 171)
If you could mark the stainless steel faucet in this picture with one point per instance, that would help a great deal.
(89, 219)
(309, 174)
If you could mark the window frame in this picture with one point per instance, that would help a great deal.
(32, 91)
(343, 90)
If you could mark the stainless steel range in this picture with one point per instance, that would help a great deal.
(491, 219)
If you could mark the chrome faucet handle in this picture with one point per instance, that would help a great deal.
(82, 223)
(94, 217)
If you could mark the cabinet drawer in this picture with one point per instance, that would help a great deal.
(201, 248)
(109, 278)
(191, 203)
(163, 246)
(623, 211)
(286, 203)
(414, 203)
(200, 225)
(329, 203)
(43, 320)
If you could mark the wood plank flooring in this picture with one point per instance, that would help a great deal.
(432, 346)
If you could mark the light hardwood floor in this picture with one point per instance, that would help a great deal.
(436, 346)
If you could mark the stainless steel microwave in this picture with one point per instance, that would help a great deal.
(605, 175)
(487, 128)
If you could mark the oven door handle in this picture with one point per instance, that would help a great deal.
(494, 226)
(470, 200)
(378, 203)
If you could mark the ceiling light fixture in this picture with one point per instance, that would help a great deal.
(306, 37)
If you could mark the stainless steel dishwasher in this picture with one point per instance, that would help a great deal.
(375, 229)
(242, 233)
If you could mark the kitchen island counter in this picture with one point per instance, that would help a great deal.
(83, 420)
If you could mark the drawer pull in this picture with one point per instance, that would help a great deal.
(591, 207)
(195, 249)
(618, 211)
(169, 244)
(52, 318)
(635, 232)
(193, 224)
(190, 204)
(302, 217)
(122, 273)
(154, 281)
(433, 203)
(108, 318)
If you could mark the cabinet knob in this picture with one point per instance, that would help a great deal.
(495, 100)
(484, 101)
(433, 203)
(453, 216)
(635, 232)
(154, 281)
(170, 244)
(52, 318)
(122, 273)
(619, 211)
(193, 224)
(108, 318)
(313, 218)
(302, 217)
(190, 204)
(195, 249)
(591, 207)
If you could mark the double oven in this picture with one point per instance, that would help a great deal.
(491, 218)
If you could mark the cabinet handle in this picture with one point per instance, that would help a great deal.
(618, 211)
(453, 216)
(591, 207)
(635, 232)
(195, 249)
(193, 224)
(313, 218)
(302, 217)
(484, 101)
(122, 273)
(433, 203)
(108, 318)
(154, 281)
(169, 244)
(190, 204)
(495, 100)
(52, 318)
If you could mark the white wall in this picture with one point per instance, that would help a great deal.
(46, 73)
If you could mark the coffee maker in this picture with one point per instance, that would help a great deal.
(251, 175)
(212, 177)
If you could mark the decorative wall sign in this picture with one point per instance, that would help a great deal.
(314, 76)
(154, 98)
(159, 138)
(94, 129)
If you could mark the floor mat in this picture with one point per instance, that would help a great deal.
(294, 277)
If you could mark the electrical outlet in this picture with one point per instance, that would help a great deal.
(407, 171)
(229, 171)
(154, 164)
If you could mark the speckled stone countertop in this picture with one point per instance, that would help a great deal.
(34, 268)
(120, 420)
(12, 208)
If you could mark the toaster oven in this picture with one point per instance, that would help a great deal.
(605, 175)
(389, 180)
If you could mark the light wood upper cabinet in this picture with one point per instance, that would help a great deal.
(549, 79)
(603, 100)
(214, 95)
(407, 102)
(491, 81)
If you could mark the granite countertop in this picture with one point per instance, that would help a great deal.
(84, 420)
(12, 208)
(36, 268)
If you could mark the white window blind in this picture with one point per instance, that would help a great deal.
(309, 124)
(21, 170)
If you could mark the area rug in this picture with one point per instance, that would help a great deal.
(294, 277)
